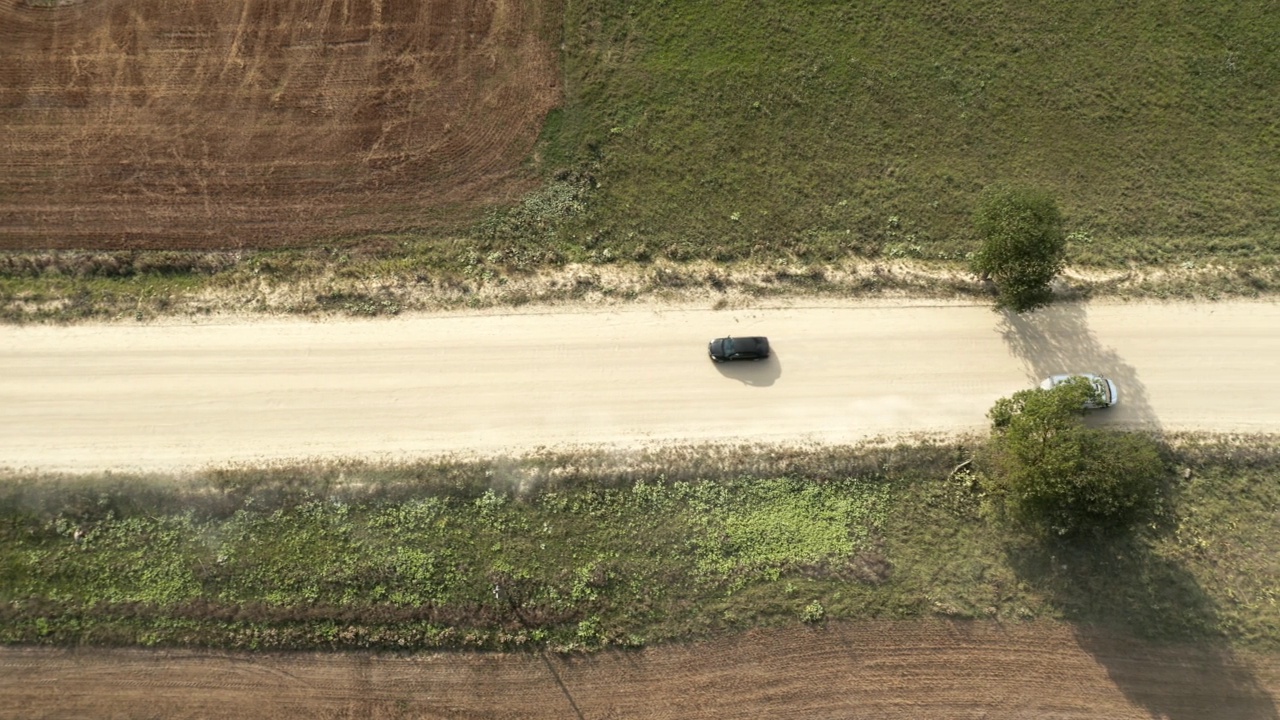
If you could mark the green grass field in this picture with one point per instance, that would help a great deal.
(579, 552)
(730, 129)
(751, 134)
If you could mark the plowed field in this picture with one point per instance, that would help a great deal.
(255, 123)
(870, 670)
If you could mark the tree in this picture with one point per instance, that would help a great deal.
(1023, 245)
(1058, 475)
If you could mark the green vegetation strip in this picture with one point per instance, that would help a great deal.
(591, 550)
(815, 133)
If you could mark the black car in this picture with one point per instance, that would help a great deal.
(743, 348)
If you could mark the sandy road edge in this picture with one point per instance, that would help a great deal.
(239, 294)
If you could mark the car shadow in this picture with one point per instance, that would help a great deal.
(757, 373)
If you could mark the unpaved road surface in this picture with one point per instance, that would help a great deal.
(914, 671)
(160, 396)
(187, 395)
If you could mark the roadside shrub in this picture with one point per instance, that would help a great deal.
(813, 613)
(121, 264)
(1061, 477)
(1023, 245)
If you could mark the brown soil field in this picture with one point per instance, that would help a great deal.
(202, 124)
(915, 670)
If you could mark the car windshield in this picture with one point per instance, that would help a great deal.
(1104, 392)
(728, 346)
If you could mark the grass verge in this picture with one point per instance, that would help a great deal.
(593, 549)
(70, 287)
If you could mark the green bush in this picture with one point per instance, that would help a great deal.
(1023, 245)
(813, 613)
(1057, 475)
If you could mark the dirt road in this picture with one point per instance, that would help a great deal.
(183, 395)
(917, 670)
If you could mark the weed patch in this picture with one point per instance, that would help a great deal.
(582, 550)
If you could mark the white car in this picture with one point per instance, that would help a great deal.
(1106, 394)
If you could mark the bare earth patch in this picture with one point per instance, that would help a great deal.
(261, 123)
(915, 670)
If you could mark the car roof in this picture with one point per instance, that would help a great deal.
(1056, 379)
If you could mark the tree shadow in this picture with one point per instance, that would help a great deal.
(1057, 340)
(573, 704)
(757, 373)
(1118, 589)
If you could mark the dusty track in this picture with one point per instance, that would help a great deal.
(163, 396)
(247, 123)
(89, 397)
(916, 670)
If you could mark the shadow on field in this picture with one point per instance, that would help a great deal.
(1116, 590)
(1057, 340)
(757, 373)
(568, 696)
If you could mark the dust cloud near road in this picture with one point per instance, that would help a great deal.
(188, 395)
